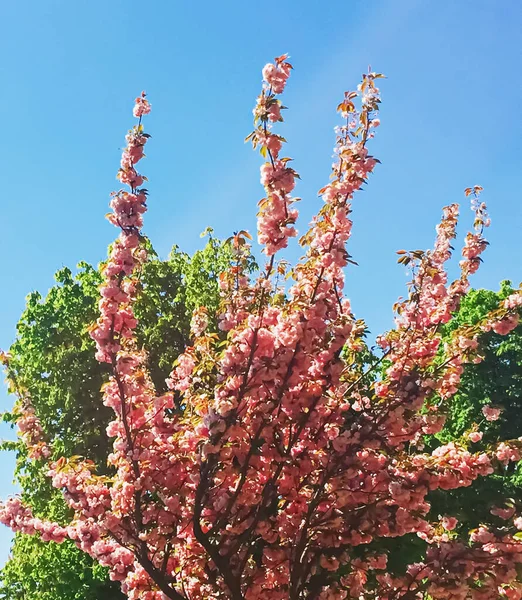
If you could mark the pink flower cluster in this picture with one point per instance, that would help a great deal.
(276, 216)
(276, 75)
(19, 518)
(30, 428)
(141, 106)
(475, 244)
(31, 431)
(491, 413)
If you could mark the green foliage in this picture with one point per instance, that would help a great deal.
(45, 571)
(497, 380)
(53, 357)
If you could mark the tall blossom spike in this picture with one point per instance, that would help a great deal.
(322, 271)
(117, 321)
(283, 460)
(276, 217)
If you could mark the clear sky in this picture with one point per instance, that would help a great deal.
(70, 70)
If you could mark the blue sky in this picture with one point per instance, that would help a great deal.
(70, 71)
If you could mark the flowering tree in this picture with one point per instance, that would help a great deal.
(276, 466)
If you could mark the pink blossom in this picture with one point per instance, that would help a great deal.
(142, 106)
(475, 436)
(449, 523)
(491, 413)
(503, 513)
(505, 325)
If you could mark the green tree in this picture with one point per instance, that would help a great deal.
(497, 381)
(53, 359)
